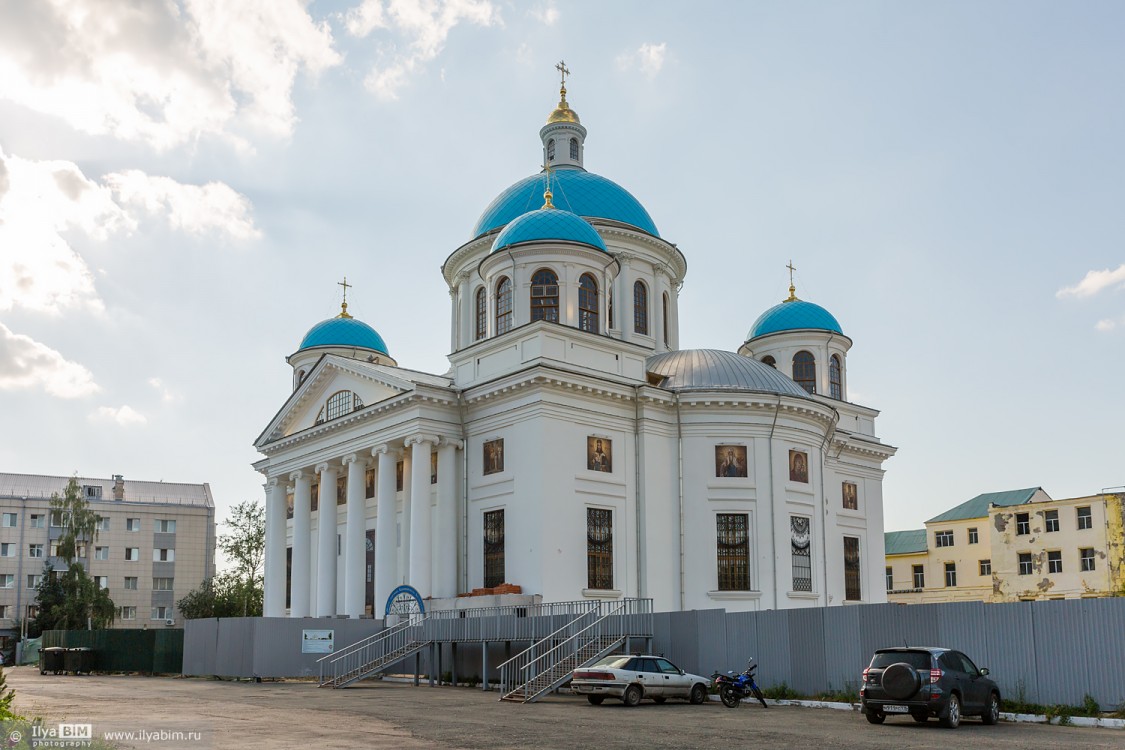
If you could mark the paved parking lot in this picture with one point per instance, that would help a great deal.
(395, 715)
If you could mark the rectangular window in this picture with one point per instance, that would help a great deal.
(1085, 519)
(133, 554)
(7, 580)
(1054, 562)
(950, 574)
(128, 613)
(1025, 563)
(57, 519)
(161, 613)
(166, 525)
(801, 552)
(851, 569)
(9, 521)
(732, 553)
(493, 548)
(1086, 554)
(103, 524)
(93, 492)
(38, 521)
(943, 538)
(986, 567)
(973, 536)
(35, 550)
(162, 584)
(3, 611)
(890, 580)
(7, 549)
(101, 553)
(130, 583)
(1023, 524)
(599, 548)
(33, 580)
(102, 581)
(32, 611)
(164, 555)
(1052, 519)
(919, 577)
(851, 496)
(132, 524)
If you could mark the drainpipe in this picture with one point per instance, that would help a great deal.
(680, 465)
(642, 578)
(773, 502)
(824, 502)
(464, 494)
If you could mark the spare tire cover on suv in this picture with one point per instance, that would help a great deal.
(900, 680)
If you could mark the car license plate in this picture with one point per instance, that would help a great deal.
(895, 709)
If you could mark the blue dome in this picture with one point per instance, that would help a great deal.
(794, 315)
(583, 193)
(347, 332)
(548, 224)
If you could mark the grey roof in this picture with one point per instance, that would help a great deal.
(173, 493)
(717, 370)
(905, 542)
(978, 506)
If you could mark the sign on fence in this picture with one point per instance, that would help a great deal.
(317, 641)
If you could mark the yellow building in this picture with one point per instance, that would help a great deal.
(1017, 545)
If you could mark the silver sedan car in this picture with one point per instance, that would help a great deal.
(632, 678)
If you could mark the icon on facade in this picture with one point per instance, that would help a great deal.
(494, 456)
(798, 467)
(599, 454)
(730, 460)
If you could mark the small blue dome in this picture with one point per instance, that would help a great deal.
(548, 224)
(575, 190)
(794, 315)
(346, 332)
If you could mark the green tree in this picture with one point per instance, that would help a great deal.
(245, 548)
(222, 596)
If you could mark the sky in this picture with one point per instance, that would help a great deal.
(184, 182)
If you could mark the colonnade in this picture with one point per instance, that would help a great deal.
(428, 539)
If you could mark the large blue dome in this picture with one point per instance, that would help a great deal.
(583, 193)
(548, 224)
(346, 332)
(793, 315)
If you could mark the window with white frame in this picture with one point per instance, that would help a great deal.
(57, 519)
(102, 581)
(9, 521)
(161, 584)
(101, 553)
(986, 567)
(950, 574)
(132, 554)
(1025, 565)
(163, 555)
(3, 611)
(7, 580)
(733, 551)
(943, 538)
(35, 550)
(103, 524)
(161, 613)
(1085, 519)
(132, 524)
(890, 579)
(1086, 555)
(166, 525)
(919, 574)
(1051, 517)
(33, 580)
(1023, 524)
(1054, 561)
(974, 537)
(130, 583)
(128, 613)
(38, 521)
(8, 549)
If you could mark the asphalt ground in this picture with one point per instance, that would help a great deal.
(385, 714)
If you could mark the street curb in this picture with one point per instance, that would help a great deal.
(1077, 721)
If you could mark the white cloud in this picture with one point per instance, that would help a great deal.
(424, 25)
(546, 14)
(164, 73)
(648, 58)
(195, 209)
(26, 364)
(1095, 282)
(124, 416)
(42, 203)
(167, 395)
(1109, 324)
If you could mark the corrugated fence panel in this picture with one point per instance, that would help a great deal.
(713, 640)
(773, 648)
(806, 649)
(168, 650)
(1011, 641)
(963, 627)
(876, 629)
(1103, 622)
(1066, 661)
(844, 660)
(741, 643)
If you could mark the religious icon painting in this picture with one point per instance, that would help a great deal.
(369, 483)
(433, 468)
(798, 467)
(493, 456)
(399, 467)
(730, 460)
(599, 454)
(851, 496)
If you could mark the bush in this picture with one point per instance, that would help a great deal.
(781, 692)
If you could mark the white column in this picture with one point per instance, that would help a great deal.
(326, 525)
(623, 299)
(274, 584)
(302, 544)
(404, 537)
(658, 310)
(386, 547)
(354, 541)
(420, 532)
(673, 315)
(445, 528)
(468, 311)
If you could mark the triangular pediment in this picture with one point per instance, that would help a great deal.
(308, 406)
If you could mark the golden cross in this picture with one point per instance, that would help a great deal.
(792, 289)
(345, 284)
(791, 270)
(563, 71)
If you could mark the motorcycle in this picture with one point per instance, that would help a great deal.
(733, 688)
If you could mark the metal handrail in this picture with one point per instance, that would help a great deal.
(353, 659)
(591, 607)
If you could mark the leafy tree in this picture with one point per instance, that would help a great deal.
(245, 547)
(222, 596)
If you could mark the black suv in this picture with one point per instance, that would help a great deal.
(925, 682)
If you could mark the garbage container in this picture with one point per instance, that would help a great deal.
(79, 660)
(51, 659)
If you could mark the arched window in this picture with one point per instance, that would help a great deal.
(551, 150)
(339, 404)
(482, 314)
(588, 303)
(503, 305)
(545, 295)
(664, 304)
(834, 381)
(804, 370)
(768, 360)
(574, 149)
(301, 377)
(640, 308)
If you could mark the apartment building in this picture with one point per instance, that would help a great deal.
(155, 543)
(1018, 545)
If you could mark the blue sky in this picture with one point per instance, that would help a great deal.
(184, 183)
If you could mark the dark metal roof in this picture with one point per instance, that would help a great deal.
(717, 370)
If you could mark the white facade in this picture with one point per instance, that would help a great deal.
(620, 465)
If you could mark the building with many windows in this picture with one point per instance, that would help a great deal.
(573, 450)
(1018, 545)
(155, 543)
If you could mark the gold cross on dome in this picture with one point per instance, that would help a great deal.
(344, 304)
(792, 289)
(563, 71)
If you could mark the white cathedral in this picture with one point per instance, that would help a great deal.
(573, 450)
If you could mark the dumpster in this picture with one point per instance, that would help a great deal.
(51, 659)
(79, 660)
